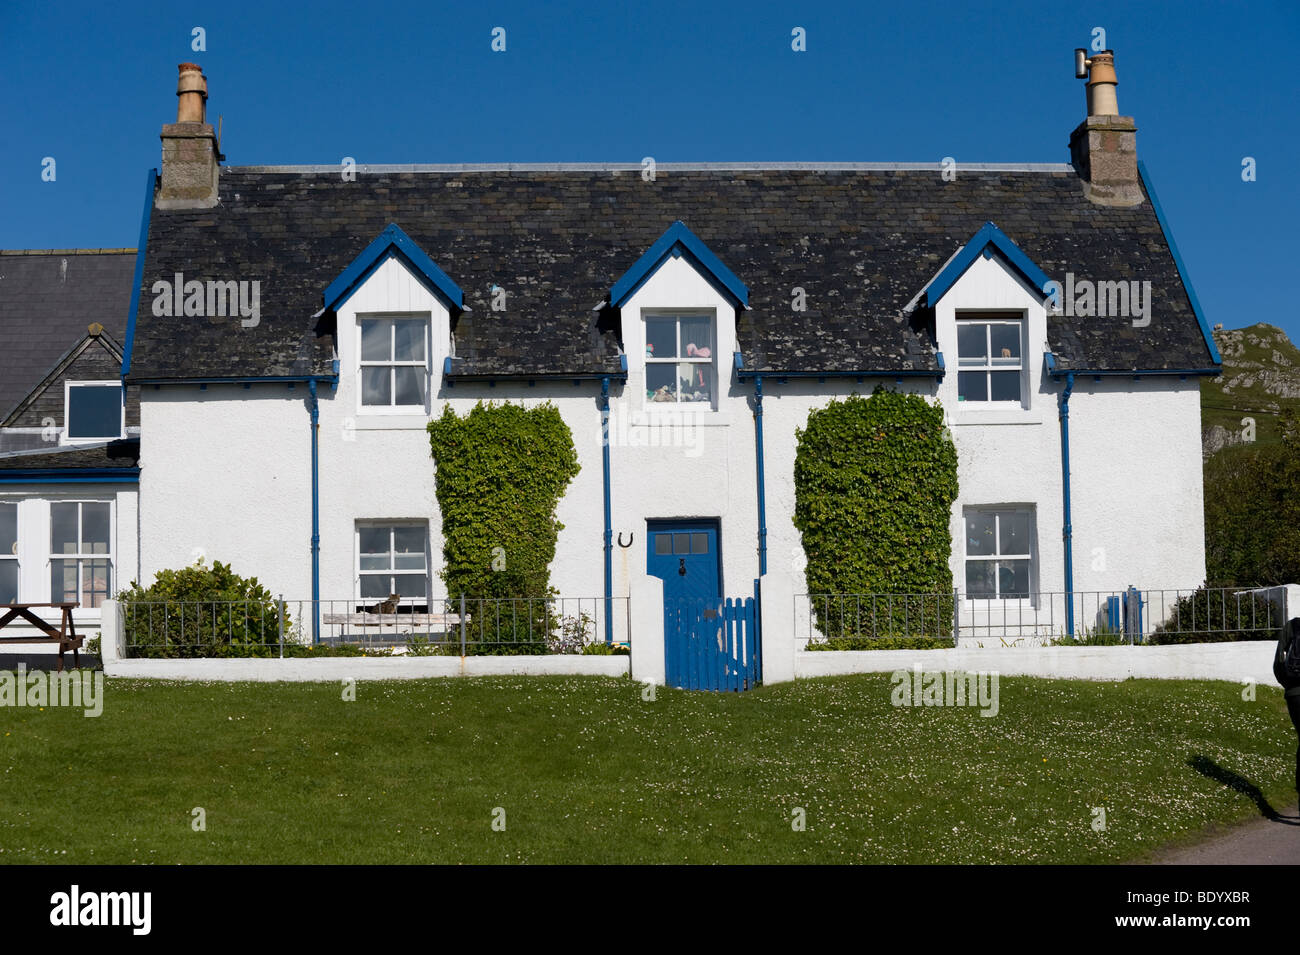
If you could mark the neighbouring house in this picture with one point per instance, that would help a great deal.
(69, 430)
(298, 326)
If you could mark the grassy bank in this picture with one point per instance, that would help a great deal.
(585, 769)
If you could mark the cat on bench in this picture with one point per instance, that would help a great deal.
(388, 606)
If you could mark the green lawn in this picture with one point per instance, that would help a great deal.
(588, 771)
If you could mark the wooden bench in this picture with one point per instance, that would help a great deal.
(396, 622)
(65, 635)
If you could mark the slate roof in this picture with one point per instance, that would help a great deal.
(47, 301)
(123, 453)
(861, 240)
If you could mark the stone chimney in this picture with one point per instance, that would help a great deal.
(190, 151)
(1103, 148)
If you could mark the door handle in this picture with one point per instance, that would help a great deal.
(681, 566)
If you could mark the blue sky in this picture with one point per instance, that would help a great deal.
(89, 84)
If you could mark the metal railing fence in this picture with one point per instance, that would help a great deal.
(454, 626)
(1130, 616)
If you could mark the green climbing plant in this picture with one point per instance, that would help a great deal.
(500, 473)
(875, 479)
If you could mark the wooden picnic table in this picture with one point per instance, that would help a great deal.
(65, 635)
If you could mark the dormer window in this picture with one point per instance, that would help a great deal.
(394, 364)
(989, 359)
(679, 363)
(93, 411)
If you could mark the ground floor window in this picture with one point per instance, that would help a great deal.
(393, 559)
(1000, 552)
(57, 550)
(8, 552)
(81, 562)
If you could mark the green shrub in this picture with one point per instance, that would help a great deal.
(1101, 635)
(881, 643)
(202, 611)
(602, 649)
(1252, 512)
(421, 646)
(1211, 615)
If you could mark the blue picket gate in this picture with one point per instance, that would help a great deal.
(713, 646)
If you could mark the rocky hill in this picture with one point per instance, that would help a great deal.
(1261, 377)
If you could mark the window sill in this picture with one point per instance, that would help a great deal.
(964, 415)
(75, 442)
(679, 416)
(390, 421)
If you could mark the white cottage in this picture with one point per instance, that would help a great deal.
(297, 327)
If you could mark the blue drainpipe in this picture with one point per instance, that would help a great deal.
(758, 461)
(609, 530)
(314, 406)
(762, 497)
(1067, 531)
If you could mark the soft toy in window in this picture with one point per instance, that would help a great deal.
(694, 351)
(649, 350)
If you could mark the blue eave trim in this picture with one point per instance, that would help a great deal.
(988, 236)
(585, 376)
(392, 241)
(743, 374)
(254, 379)
(1057, 373)
(676, 240)
(620, 375)
(1178, 263)
(70, 476)
(151, 182)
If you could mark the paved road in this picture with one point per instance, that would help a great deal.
(1260, 842)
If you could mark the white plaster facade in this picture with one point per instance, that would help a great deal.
(226, 470)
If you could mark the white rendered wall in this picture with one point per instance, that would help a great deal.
(225, 474)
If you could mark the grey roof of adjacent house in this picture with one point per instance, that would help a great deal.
(861, 240)
(48, 299)
(123, 453)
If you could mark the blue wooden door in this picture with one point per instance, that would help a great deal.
(684, 555)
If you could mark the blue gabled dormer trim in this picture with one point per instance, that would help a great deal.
(678, 241)
(988, 241)
(1178, 264)
(150, 184)
(392, 242)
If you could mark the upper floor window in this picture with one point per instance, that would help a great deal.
(989, 362)
(999, 552)
(8, 552)
(394, 364)
(679, 364)
(93, 410)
